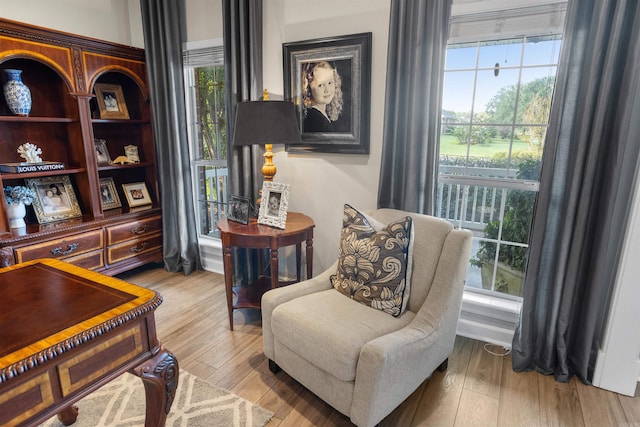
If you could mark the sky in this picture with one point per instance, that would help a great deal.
(459, 84)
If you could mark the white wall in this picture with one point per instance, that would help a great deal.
(204, 18)
(111, 20)
(322, 183)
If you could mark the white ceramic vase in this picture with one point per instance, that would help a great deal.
(16, 213)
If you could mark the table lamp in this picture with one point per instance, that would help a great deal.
(266, 122)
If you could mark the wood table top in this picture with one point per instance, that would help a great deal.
(48, 307)
(296, 222)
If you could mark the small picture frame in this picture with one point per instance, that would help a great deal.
(108, 194)
(238, 209)
(102, 153)
(136, 194)
(55, 199)
(274, 204)
(111, 101)
(131, 152)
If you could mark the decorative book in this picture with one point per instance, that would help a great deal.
(24, 167)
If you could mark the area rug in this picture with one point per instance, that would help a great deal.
(121, 403)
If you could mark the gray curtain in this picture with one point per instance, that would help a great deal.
(164, 26)
(589, 167)
(418, 32)
(243, 82)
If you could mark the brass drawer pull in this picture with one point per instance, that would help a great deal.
(139, 248)
(58, 251)
(140, 230)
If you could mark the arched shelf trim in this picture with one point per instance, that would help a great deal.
(103, 70)
(23, 54)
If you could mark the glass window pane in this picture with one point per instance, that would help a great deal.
(541, 50)
(506, 53)
(496, 95)
(453, 143)
(509, 272)
(457, 95)
(211, 191)
(483, 259)
(461, 57)
(536, 92)
(530, 140)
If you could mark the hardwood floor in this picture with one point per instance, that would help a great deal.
(478, 388)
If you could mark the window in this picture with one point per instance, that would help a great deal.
(495, 112)
(205, 93)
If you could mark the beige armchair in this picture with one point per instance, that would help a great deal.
(362, 361)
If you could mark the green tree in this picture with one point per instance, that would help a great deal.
(538, 92)
(211, 104)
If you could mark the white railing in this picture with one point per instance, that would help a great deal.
(476, 198)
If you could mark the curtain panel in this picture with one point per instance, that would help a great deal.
(243, 82)
(589, 168)
(163, 26)
(418, 33)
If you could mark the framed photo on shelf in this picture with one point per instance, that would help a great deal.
(131, 151)
(108, 194)
(136, 194)
(339, 123)
(274, 204)
(239, 208)
(55, 199)
(102, 153)
(111, 101)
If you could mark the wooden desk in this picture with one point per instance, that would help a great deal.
(65, 331)
(299, 228)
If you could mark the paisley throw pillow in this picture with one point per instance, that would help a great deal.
(372, 264)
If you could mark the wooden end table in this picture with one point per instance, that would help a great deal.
(66, 331)
(298, 229)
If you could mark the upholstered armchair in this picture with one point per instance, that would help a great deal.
(364, 361)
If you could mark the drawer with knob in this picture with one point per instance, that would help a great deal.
(134, 229)
(66, 247)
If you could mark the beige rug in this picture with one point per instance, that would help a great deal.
(197, 404)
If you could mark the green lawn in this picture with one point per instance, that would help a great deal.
(449, 146)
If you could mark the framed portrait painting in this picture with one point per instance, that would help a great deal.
(55, 199)
(274, 204)
(111, 101)
(329, 82)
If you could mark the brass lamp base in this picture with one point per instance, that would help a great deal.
(268, 168)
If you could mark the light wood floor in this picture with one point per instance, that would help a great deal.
(478, 389)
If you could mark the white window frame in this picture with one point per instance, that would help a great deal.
(493, 317)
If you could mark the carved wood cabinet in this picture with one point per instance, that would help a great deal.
(62, 71)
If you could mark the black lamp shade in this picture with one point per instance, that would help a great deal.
(266, 122)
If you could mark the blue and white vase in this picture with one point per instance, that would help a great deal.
(17, 94)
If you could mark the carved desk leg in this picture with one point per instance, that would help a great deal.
(160, 377)
(68, 415)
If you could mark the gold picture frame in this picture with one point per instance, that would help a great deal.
(136, 194)
(108, 194)
(111, 101)
(55, 199)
